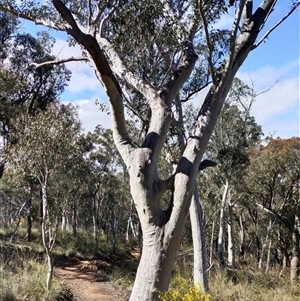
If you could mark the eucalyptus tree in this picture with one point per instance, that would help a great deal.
(235, 132)
(22, 86)
(221, 187)
(273, 185)
(128, 41)
(45, 143)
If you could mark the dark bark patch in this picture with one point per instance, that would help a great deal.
(151, 141)
(1, 169)
(184, 166)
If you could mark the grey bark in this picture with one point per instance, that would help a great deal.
(64, 221)
(211, 249)
(268, 256)
(242, 237)
(264, 245)
(230, 233)
(74, 217)
(221, 258)
(29, 217)
(295, 251)
(130, 226)
(284, 263)
(47, 238)
(196, 216)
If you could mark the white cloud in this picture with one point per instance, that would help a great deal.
(91, 115)
(226, 21)
(83, 79)
(83, 76)
(281, 98)
(277, 110)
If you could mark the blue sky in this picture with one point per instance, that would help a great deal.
(275, 59)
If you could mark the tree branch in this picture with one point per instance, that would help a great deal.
(232, 48)
(122, 72)
(10, 9)
(66, 15)
(266, 35)
(105, 74)
(90, 16)
(61, 61)
(281, 218)
(209, 45)
(195, 92)
(196, 20)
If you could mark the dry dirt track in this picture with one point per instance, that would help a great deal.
(87, 283)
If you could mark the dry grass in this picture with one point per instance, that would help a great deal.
(254, 286)
(23, 277)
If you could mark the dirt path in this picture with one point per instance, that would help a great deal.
(87, 281)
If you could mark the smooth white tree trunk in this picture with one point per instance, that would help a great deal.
(295, 251)
(264, 245)
(155, 267)
(230, 233)
(269, 256)
(211, 251)
(64, 222)
(47, 238)
(242, 237)
(196, 216)
(221, 258)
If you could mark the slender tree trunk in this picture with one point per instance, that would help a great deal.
(295, 252)
(284, 263)
(221, 259)
(231, 246)
(18, 220)
(50, 271)
(211, 251)
(64, 221)
(134, 230)
(196, 215)
(74, 218)
(29, 215)
(94, 212)
(46, 236)
(269, 256)
(113, 230)
(263, 249)
(130, 225)
(242, 238)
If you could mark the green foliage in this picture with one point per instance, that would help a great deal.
(184, 290)
(45, 141)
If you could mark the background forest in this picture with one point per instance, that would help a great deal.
(65, 193)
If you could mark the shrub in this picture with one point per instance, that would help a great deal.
(184, 290)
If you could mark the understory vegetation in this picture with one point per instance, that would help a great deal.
(23, 270)
(22, 274)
